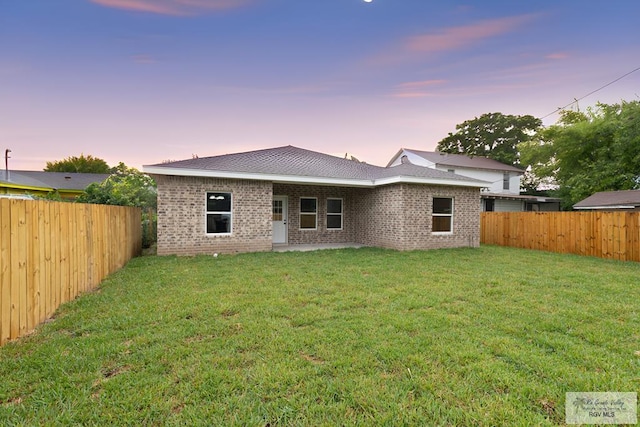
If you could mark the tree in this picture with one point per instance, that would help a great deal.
(125, 187)
(493, 135)
(84, 164)
(583, 153)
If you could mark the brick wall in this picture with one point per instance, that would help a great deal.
(399, 217)
(394, 216)
(321, 235)
(181, 216)
(418, 210)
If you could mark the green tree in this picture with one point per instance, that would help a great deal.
(583, 153)
(493, 135)
(125, 187)
(84, 164)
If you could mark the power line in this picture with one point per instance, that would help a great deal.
(590, 93)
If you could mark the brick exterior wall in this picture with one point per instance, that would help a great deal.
(394, 216)
(182, 213)
(321, 235)
(399, 217)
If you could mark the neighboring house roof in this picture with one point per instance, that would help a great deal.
(626, 199)
(296, 165)
(49, 181)
(459, 160)
(524, 197)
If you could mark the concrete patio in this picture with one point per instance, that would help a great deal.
(314, 247)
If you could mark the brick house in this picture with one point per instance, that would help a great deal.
(251, 201)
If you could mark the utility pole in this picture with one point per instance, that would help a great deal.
(6, 162)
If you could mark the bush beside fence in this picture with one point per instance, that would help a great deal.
(50, 252)
(614, 235)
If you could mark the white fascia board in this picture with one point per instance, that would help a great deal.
(432, 181)
(605, 207)
(296, 179)
(284, 179)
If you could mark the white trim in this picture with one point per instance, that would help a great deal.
(295, 179)
(285, 218)
(207, 213)
(440, 215)
(606, 207)
(433, 181)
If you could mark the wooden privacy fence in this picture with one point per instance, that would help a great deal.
(50, 252)
(614, 235)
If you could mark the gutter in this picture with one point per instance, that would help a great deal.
(293, 179)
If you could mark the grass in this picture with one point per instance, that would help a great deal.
(489, 336)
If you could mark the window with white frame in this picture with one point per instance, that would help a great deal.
(334, 214)
(442, 215)
(505, 180)
(218, 213)
(308, 213)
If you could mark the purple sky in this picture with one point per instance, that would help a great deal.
(143, 81)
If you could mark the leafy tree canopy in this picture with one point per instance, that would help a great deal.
(125, 187)
(493, 135)
(587, 152)
(82, 164)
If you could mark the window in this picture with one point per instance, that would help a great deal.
(334, 214)
(278, 210)
(489, 205)
(218, 213)
(442, 218)
(505, 181)
(451, 170)
(308, 213)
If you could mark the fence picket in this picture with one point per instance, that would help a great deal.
(5, 270)
(50, 253)
(613, 235)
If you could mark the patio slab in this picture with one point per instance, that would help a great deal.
(314, 247)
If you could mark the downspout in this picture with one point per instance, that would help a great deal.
(6, 163)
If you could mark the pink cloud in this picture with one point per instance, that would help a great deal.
(172, 7)
(448, 39)
(459, 37)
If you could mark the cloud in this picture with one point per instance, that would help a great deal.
(455, 38)
(449, 39)
(172, 7)
(417, 89)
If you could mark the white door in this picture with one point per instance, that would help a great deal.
(279, 219)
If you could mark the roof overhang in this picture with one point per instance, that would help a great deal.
(311, 180)
(16, 186)
(607, 207)
(521, 197)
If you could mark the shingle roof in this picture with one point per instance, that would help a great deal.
(611, 199)
(52, 180)
(297, 162)
(462, 160)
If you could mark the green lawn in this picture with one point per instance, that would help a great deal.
(489, 336)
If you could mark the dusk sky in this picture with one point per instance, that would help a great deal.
(144, 81)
